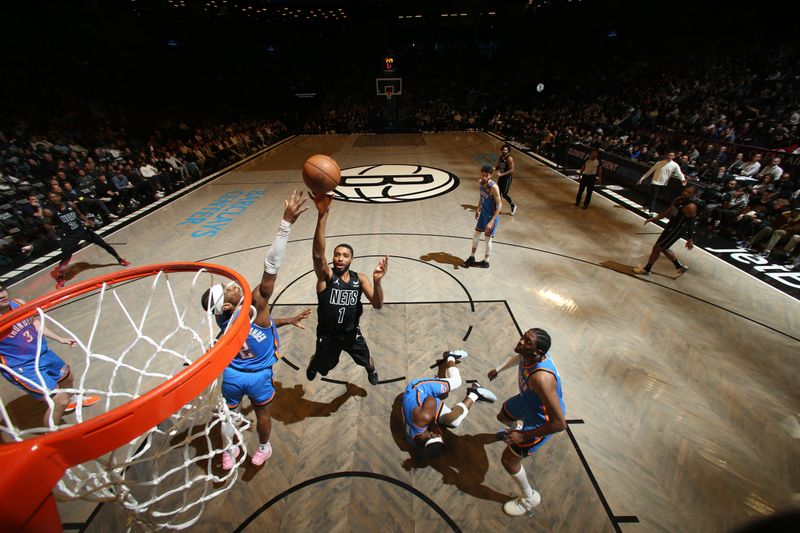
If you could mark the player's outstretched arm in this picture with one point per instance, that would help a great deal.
(664, 213)
(321, 267)
(649, 172)
(296, 320)
(50, 335)
(375, 293)
(292, 208)
(511, 362)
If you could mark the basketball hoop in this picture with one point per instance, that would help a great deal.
(127, 435)
(389, 91)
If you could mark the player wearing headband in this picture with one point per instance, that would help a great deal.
(250, 372)
(424, 410)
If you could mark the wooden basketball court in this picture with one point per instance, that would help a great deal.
(682, 394)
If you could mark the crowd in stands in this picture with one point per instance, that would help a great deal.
(729, 110)
(725, 110)
(106, 174)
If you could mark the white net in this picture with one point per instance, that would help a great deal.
(131, 338)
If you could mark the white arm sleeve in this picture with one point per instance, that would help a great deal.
(272, 262)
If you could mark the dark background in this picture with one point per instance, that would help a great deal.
(201, 60)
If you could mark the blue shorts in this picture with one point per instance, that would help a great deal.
(484, 219)
(517, 409)
(255, 385)
(53, 369)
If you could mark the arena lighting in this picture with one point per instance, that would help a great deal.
(558, 300)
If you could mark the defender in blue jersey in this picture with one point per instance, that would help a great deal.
(18, 364)
(487, 215)
(339, 308)
(250, 372)
(539, 406)
(424, 409)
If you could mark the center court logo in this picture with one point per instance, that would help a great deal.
(385, 184)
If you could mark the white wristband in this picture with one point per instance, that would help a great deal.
(498, 369)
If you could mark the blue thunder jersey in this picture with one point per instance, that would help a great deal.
(488, 205)
(415, 394)
(260, 350)
(18, 348)
(532, 401)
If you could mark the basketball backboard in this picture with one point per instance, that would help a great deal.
(389, 87)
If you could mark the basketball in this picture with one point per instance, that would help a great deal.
(321, 173)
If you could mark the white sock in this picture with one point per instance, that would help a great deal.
(263, 447)
(525, 489)
(472, 396)
(228, 434)
(451, 358)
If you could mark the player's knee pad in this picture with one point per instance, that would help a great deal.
(453, 377)
(464, 410)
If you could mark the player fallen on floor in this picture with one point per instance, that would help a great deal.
(424, 410)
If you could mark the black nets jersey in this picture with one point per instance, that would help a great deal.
(68, 221)
(502, 164)
(676, 215)
(339, 305)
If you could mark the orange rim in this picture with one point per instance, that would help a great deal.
(32, 467)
